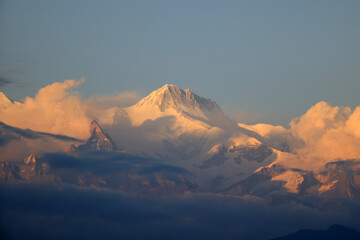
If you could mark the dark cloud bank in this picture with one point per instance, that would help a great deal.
(30, 211)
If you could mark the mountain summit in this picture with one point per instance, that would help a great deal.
(171, 100)
(171, 96)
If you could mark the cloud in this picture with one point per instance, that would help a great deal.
(16, 143)
(55, 109)
(48, 212)
(4, 81)
(58, 109)
(325, 133)
(20, 148)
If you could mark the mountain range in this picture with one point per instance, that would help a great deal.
(174, 141)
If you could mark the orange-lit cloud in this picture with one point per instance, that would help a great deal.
(57, 109)
(325, 133)
(54, 109)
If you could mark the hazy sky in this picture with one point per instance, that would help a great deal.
(263, 61)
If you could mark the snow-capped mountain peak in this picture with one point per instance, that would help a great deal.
(170, 100)
(171, 96)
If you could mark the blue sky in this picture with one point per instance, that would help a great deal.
(265, 61)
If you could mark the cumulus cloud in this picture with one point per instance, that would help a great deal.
(58, 109)
(54, 109)
(325, 133)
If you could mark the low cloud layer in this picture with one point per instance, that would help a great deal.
(16, 143)
(48, 212)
